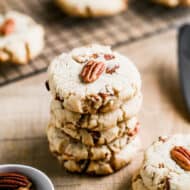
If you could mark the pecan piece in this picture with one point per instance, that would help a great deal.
(80, 58)
(7, 27)
(103, 95)
(181, 156)
(111, 70)
(108, 56)
(133, 132)
(11, 180)
(94, 56)
(163, 139)
(92, 71)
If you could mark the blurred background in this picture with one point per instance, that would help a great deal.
(142, 20)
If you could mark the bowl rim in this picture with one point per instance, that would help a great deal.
(27, 167)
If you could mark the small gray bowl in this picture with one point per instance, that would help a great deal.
(38, 178)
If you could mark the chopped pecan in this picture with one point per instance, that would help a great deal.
(134, 131)
(92, 71)
(161, 165)
(108, 56)
(7, 27)
(94, 55)
(163, 139)
(80, 58)
(12, 180)
(111, 70)
(181, 156)
(104, 95)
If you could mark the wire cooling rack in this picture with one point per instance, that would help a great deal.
(143, 19)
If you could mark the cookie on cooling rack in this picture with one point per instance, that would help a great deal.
(92, 8)
(166, 165)
(173, 3)
(21, 39)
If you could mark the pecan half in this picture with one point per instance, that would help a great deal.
(7, 27)
(92, 71)
(111, 70)
(108, 56)
(181, 156)
(84, 58)
(11, 180)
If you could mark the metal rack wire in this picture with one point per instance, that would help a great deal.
(143, 19)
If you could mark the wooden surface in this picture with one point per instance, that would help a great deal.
(24, 115)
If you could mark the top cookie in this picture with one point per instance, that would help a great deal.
(93, 79)
(167, 164)
(21, 39)
(173, 3)
(91, 8)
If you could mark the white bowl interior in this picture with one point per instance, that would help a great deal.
(40, 180)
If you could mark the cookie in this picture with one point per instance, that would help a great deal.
(94, 138)
(93, 79)
(103, 167)
(99, 121)
(74, 150)
(167, 164)
(21, 39)
(91, 8)
(173, 3)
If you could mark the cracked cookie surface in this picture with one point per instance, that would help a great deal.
(111, 88)
(116, 161)
(21, 39)
(160, 170)
(99, 121)
(72, 149)
(91, 8)
(93, 138)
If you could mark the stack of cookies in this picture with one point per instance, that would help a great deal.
(96, 97)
